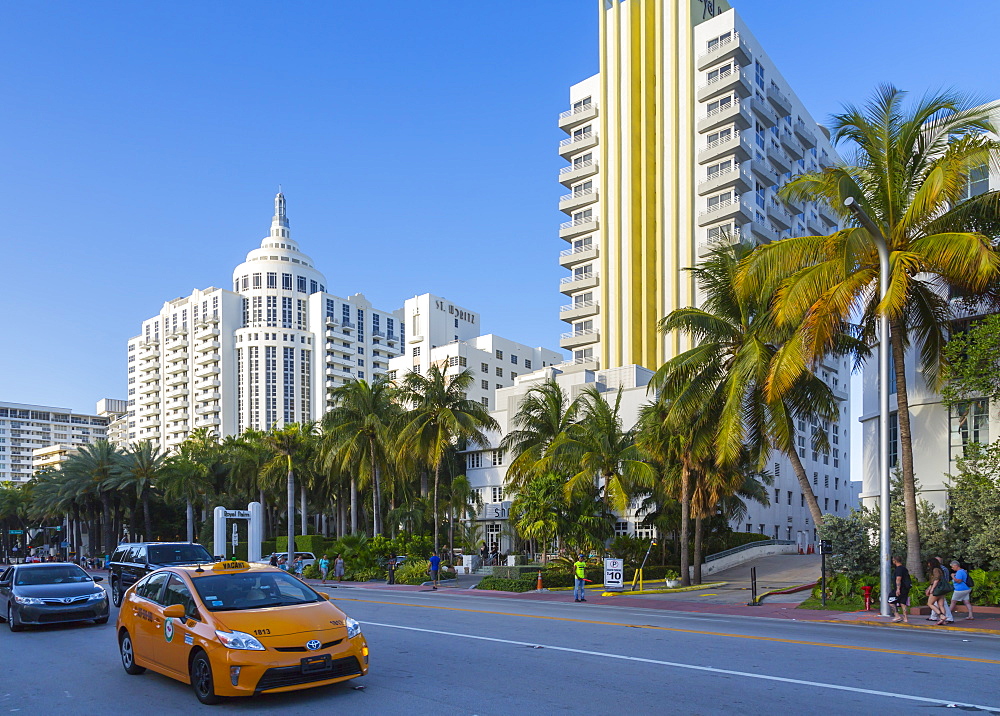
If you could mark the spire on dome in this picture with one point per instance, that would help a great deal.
(279, 219)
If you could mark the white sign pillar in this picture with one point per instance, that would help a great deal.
(219, 533)
(254, 515)
(255, 532)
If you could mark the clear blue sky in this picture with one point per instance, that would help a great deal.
(141, 144)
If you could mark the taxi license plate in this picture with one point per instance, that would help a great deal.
(317, 664)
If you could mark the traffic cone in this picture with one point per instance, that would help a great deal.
(800, 550)
(538, 585)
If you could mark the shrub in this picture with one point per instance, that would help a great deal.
(514, 572)
(506, 585)
(367, 574)
(413, 571)
(312, 572)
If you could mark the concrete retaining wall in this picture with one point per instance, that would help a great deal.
(747, 555)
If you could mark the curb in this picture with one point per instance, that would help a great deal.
(871, 622)
(786, 590)
(693, 588)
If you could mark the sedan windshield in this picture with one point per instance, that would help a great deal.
(178, 554)
(56, 574)
(227, 592)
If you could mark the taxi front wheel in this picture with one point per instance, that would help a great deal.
(201, 679)
(128, 654)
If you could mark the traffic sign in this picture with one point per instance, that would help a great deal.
(614, 570)
(15, 532)
(64, 544)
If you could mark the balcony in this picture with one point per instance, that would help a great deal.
(827, 215)
(576, 227)
(767, 176)
(177, 379)
(737, 209)
(734, 48)
(737, 81)
(738, 177)
(205, 330)
(209, 396)
(208, 346)
(578, 310)
(176, 392)
(202, 384)
(577, 200)
(206, 421)
(733, 113)
(575, 339)
(791, 145)
(815, 227)
(347, 326)
(150, 399)
(805, 135)
(578, 282)
(332, 384)
(392, 339)
(763, 112)
(576, 116)
(152, 423)
(735, 144)
(764, 232)
(776, 97)
(207, 358)
(207, 370)
(177, 357)
(573, 173)
(208, 410)
(733, 236)
(334, 359)
(149, 377)
(577, 255)
(178, 408)
(778, 158)
(578, 143)
(149, 352)
(778, 215)
(178, 367)
(149, 388)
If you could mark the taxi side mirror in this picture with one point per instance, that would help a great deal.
(325, 595)
(174, 611)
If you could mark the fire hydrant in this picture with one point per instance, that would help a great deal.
(867, 591)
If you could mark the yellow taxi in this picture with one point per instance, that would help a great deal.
(236, 629)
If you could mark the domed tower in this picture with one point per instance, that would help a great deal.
(274, 346)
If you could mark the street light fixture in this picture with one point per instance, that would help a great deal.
(883, 400)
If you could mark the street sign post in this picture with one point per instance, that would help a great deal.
(614, 573)
(15, 532)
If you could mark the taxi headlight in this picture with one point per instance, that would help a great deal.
(353, 628)
(239, 640)
(27, 600)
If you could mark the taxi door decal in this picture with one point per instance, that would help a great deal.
(168, 629)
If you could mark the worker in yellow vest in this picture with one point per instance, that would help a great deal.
(580, 572)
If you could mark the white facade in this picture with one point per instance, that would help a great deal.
(26, 428)
(938, 435)
(787, 517)
(441, 332)
(264, 354)
(658, 173)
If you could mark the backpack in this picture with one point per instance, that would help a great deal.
(968, 580)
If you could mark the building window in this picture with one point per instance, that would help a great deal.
(473, 460)
(416, 351)
(484, 367)
(969, 424)
(499, 372)
(499, 355)
(497, 460)
(715, 42)
(513, 359)
(272, 279)
(485, 385)
(789, 497)
(485, 402)
(978, 182)
(301, 284)
(527, 364)
(497, 494)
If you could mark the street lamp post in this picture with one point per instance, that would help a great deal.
(883, 400)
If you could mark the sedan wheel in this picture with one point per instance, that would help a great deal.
(201, 679)
(116, 593)
(10, 620)
(128, 654)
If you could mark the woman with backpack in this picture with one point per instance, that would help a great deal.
(963, 588)
(938, 590)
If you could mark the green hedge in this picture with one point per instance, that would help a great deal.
(499, 584)
(522, 570)
(317, 544)
(986, 592)
(736, 539)
(560, 577)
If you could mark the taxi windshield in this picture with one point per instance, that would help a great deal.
(62, 574)
(252, 590)
(178, 554)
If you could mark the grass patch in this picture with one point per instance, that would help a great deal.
(851, 604)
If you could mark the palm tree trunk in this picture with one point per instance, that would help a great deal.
(189, 513)
(685, 525)
(290, 487)
(147, 521)
(698, 526)
(437, 522)
(913, 561)
(354, 504)
(106, 524)
(302, 508)
(800, 473)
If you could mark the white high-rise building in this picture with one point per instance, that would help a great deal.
(24, 429)
(264, 354)
(445, 334)
(679, 142)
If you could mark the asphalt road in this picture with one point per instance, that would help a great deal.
(448, 653)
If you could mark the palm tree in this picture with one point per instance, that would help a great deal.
(463, 502)
(744, 369)
(544, 414)
(909, 172)
(536, 509)
(97, 463)
(142, 466)
(286, 445)
(597, 447)
(440, 417)
(358, 434)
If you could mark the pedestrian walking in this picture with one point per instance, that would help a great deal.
(324, 567)
(938, 590)
(435, 569)
(899, 595)
(338, 568)
(274, 559)
(297, 566)
(946, 576)
(579, 579)
(283, 563)
(963, 588)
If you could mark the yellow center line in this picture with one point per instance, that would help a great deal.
(772, 639)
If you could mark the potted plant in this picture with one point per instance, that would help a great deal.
(672, 579)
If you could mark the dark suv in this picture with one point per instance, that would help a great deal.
(132, 561)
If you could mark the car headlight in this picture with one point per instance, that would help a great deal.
(353, 628)
(239, 640)
(97, 596)
(27, 600)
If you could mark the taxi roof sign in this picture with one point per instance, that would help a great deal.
(231, 566)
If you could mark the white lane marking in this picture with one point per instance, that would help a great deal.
(693, 667)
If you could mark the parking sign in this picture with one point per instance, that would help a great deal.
(614, 572)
